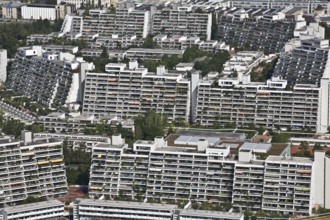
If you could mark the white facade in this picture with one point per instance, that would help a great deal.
(307, 6)
(129, 91)
(76, 139)
(177, 22)
(3, 65)
(36, 165)
(124, 21)
(262, 104)
(78, 3)
(52, 209)
(36, 12)
(89, 209)
(322, 179)
(157, 170)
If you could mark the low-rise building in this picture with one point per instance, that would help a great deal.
(60, 48)
(88, 209)
(40, 38)
(179, 42)
(43, 11)
(242, 63)
(12, 10)
(57, 122)
(76, 141)
(116, 41)
(11, 112)
(52, 209)
(153, 54)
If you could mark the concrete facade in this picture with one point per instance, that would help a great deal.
(3, 65)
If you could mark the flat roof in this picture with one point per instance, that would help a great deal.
(58, 46)
(32, 206)
(193, 140)
(289, 159)
(256, 147)
(13, 5)
(58, 135)
(221, 135)
(40, 141)
(211, 214)
(108, 145)
(40, 5)
(185, 65)
(150, 50)
(53, 114)
(122, 204)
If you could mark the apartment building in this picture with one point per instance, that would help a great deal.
(306, 61)
(88, 208)
(268, 33)
(71, 25)
(31, 168)
(3, 65)
(130, 91)
(201, 167)
(308, 6)
(267, 104)
(291, 192)
(52, 209)
(177, 22)
(53, 79)
(126, 20)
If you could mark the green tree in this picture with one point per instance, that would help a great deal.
(280, 138)
(150, 126)
(33, 199)
(149, 42)
(36, 128)
(112, 10)
(213, 62)
(14, 34)
(192, 53)
(77, 164)
(12, 127)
